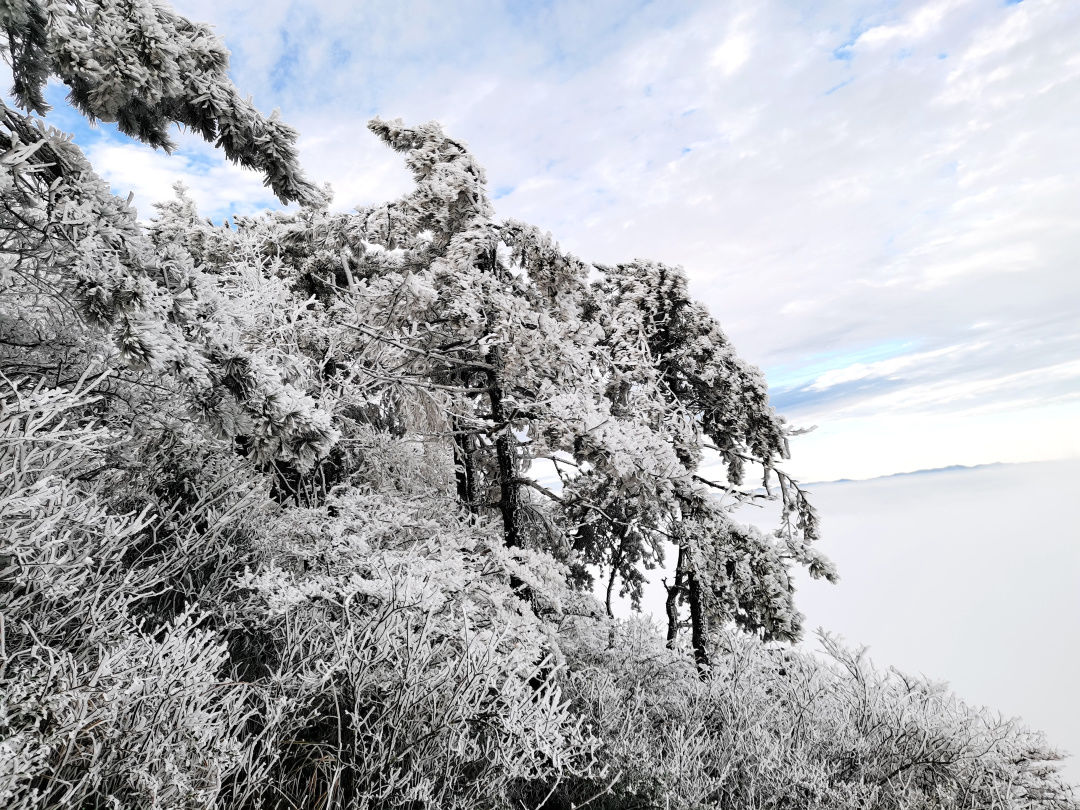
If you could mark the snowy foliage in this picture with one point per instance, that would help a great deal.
(139, 64)
(271, 529)
(778, 728)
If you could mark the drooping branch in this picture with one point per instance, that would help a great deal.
(145, 69)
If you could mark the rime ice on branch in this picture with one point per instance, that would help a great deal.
(141, 65)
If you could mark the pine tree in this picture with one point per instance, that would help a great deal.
(622, 384)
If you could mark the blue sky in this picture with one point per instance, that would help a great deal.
(877, 199)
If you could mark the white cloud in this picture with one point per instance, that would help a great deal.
(864, 446)
(969, 576)
(734, 52)
(922, 23)
(884, 368)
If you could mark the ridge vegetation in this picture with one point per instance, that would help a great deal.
(271, 531)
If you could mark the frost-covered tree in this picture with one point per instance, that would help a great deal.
(621, 383)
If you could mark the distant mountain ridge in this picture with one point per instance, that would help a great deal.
(928, 471)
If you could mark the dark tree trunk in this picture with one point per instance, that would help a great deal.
(697, 621)
(465, 466)
(610, 588)
(505, 457)
(506, 469)
(616, 561)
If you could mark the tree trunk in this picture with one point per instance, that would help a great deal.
(506, 461)
(672, 604)
(697, 622)
(610, 589)
(505, 456)
(465, 466)
(616, 561)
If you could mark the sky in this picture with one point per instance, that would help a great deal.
(879, 201)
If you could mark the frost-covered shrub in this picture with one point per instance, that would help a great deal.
(776, 728)
(100, 704)
(402, 671)
(78, 268)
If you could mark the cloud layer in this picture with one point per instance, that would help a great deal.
(878, 200)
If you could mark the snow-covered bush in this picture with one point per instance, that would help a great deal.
(773, 727)
(400, 668)
(100, 702)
